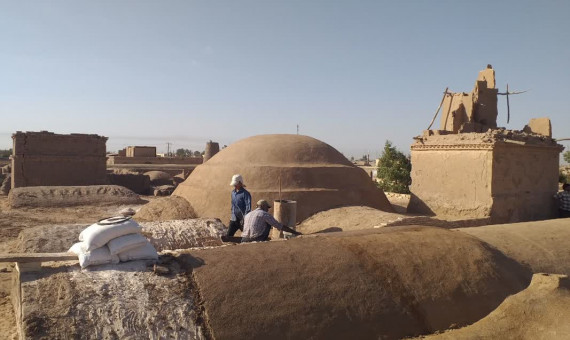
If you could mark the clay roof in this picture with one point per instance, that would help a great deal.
(310, 171)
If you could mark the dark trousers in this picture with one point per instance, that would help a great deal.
(234, 226)
(564, 213)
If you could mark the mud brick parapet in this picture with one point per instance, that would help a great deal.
(49, 159)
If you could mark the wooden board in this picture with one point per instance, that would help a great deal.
(37, 257)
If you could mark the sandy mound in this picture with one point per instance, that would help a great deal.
(347, 218)
(543, 245)
(538, 312)
(359, 217)
(167, 235)
(164, 209)
(380, 283)
(68, 303)
(61, 196)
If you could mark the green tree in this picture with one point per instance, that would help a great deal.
(5, 153)
(183, 153)
(394, 170)
(197, 154)
(567, 156)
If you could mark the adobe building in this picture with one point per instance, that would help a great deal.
(148, 155)
(141, 151)
(49, 159)
(300, 168)
(472, 169)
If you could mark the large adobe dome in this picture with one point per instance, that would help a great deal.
(313, 173)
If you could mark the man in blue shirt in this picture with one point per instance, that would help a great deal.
(241, 205)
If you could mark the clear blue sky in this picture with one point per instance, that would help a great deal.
(352, 73)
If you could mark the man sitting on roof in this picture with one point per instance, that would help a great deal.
(258, 223)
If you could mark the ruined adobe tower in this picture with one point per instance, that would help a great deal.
(470, 168)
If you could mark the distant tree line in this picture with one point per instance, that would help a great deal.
(188, 153)
(5, 153)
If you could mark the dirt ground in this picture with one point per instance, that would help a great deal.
(12, 221)
(538, 312)
(283, 260)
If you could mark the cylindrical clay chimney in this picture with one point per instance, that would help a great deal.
(212, 148)
(284, 211)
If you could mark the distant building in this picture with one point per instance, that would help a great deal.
(141, 151)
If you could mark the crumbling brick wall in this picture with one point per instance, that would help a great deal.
(49, 159)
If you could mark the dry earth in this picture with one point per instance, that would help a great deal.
(165, 209)
(538, 312)
(542, 245)
(422, 277)
(13, 221)
(359, 217)
(339, 285)
(96, 305)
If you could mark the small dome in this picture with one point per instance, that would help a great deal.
(311, 172)
(159, 177)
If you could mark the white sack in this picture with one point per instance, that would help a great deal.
(126, 242)
(144, 252)
(97, 256)
(78, 248)
(98, 234)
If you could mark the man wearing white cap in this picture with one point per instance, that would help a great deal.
(258, 224)
(241, 204)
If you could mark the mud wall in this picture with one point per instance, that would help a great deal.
(451, 182)
(508, 182)
(49, 159)
(524, 180)
(153, 160)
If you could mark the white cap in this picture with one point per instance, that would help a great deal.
(237, 179)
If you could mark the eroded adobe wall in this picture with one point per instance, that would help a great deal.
(453, 181)
(524, 180)
(49, 159)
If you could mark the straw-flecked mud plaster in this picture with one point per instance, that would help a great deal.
(311, 172)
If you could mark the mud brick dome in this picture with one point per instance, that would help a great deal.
(311, 172)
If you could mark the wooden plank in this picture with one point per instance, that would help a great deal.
(37, 257)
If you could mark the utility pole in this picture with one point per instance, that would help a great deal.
(168, 148)
(297, 128)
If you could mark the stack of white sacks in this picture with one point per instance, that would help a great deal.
(113, 240)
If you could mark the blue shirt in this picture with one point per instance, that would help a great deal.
(241, 204)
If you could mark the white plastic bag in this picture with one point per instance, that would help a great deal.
(78, 248)
(144, 252)
(126, 242)
(97, 256)
(98, 234)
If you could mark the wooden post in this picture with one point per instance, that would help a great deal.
(438, 108)
(508, 108)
